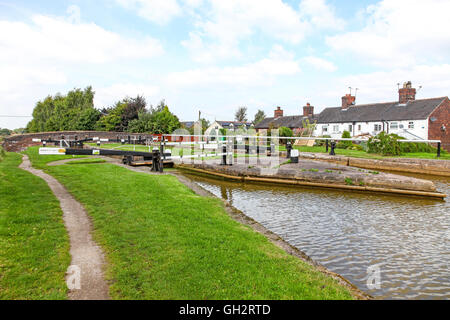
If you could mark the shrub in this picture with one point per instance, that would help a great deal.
(345, 144)
(411, 147)
(321, 143)
(285, 132)
(356, 147)
(384, 144)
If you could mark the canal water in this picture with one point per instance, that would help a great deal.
(401, 241)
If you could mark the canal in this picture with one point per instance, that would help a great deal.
(402, 241)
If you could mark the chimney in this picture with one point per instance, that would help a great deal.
(278, 112)
(407, 93)
(308, 110)
(347, 101)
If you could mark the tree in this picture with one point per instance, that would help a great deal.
(134, 106)
(241, 114)
(156, 120)
(59, 112)
(111, 120)
(5, 132)
(259, 116)
(88, 119)
(165, 122)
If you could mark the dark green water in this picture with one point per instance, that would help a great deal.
(406, 239)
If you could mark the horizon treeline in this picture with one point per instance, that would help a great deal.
(75, 111)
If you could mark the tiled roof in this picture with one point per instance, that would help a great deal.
(226, 124)
(287, 121)
(388, 111)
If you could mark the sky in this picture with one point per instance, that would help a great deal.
(214, 56)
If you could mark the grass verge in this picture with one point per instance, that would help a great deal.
(162, 241)
(34, 245)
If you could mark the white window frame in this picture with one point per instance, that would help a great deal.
(411, 125)
(393, 125)
(335, 128)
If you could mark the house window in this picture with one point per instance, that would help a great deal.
(350, 128)
(324, 128)
(359, 127)
(336, 128)
(377, 127)
(411, 125)
(393, 125)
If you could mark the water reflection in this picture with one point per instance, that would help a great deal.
(349, 231)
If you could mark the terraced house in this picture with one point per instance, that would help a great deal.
(422, 119)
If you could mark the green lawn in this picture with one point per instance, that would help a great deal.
(34, 245)
(362, 154)
(162, 241)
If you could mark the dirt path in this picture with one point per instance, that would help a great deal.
(87, 257)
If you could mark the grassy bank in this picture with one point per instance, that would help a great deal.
(34, 246)
(363, 154)
(162, 241)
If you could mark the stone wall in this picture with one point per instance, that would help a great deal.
(423, 166)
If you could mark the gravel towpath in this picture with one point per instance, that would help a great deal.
(87, 257)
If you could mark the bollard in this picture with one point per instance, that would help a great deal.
(288, 149)
(333, 146)
(438, 149)
(294, 156)
(155, 160)
(224, 156)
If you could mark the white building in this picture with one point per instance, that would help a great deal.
(214, 128)
(407, 117)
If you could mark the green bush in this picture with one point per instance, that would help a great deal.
(356, 147)
(285, 132)
(345, 144)
(414, 147)
(321, 143)
(384, 144)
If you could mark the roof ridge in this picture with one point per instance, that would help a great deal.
(395, 102)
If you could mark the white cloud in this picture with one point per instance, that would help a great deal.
(260, 73)
(44, 55)
(221, 28)
(400, 33)
(158, 11)
(321, 15)
(56, 38)
(106, 96)
(320, 63)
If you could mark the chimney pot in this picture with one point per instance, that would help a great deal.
(308, 110)
(407, 93)
(278, 112)
(348, 100)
